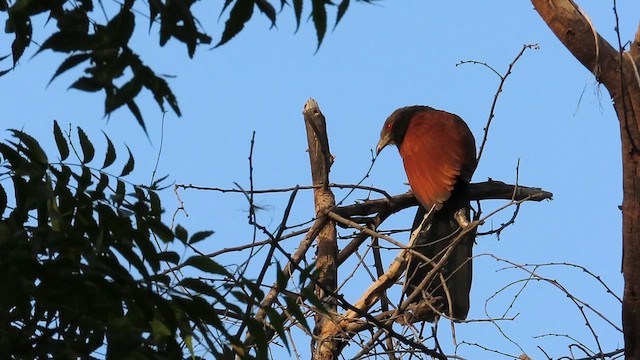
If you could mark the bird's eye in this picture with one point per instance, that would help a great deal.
(389, 126)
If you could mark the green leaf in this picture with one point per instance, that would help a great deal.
(240, 14)
(181, 233)
(205, 264)
(128, 167)
(61, 142)
(319, 15)
(199, 236)
(294, 309)
(281, 279)
(310, 296)
(87, 148)
(188, 340)
(110, 156)
(276, 322)
(159, 330)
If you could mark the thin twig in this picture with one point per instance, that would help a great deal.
(503, 79)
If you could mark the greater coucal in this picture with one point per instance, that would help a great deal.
(439, 155)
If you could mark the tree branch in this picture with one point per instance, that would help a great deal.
(618, 71)
(326, 258)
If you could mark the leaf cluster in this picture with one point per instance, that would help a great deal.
(104, 47)
(86, 263)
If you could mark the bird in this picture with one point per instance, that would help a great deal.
(439, 155)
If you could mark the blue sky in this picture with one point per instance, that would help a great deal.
(552, 117)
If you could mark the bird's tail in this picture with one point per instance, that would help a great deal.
(433, 242)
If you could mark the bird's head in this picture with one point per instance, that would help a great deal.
(396, 126)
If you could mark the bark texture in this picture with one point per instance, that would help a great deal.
(326, 257)
(618, 71)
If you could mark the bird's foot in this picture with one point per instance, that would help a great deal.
(461, 218)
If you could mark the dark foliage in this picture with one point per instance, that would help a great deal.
(85, 270)
(104, 46)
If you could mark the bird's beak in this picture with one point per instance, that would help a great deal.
(384, 141)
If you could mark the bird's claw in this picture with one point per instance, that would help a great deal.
(461, 218)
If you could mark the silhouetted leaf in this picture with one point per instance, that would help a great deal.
(110, 156)
(199, 236)
(69, 63)
(240, 14)
(87, 148)
(21, 26)
(161, 230)
(181, 233)
(132, 258)
(342, 9)
(198, 286)
(119, 195)
(123, 95)
(84, 181)
(155, 7)
(101, 186)
(156, 183)
(154, 200)
(67, 41)
(74, 20)
(3, 200)
(224, 7)
(268, 10)
(86, 84)
(128, 167)
(297, 9)
(133, 107)
(33, 150)
(169, 256)
(120, 27)
(205, 264)
(281, 278)
(319, 15)
(61, 142)
(148, 249)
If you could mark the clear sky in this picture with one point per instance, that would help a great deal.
(552, 117)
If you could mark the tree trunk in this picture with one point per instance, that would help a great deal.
(618, 72)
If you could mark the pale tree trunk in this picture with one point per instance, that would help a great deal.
(327, 254)
(618, 72)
